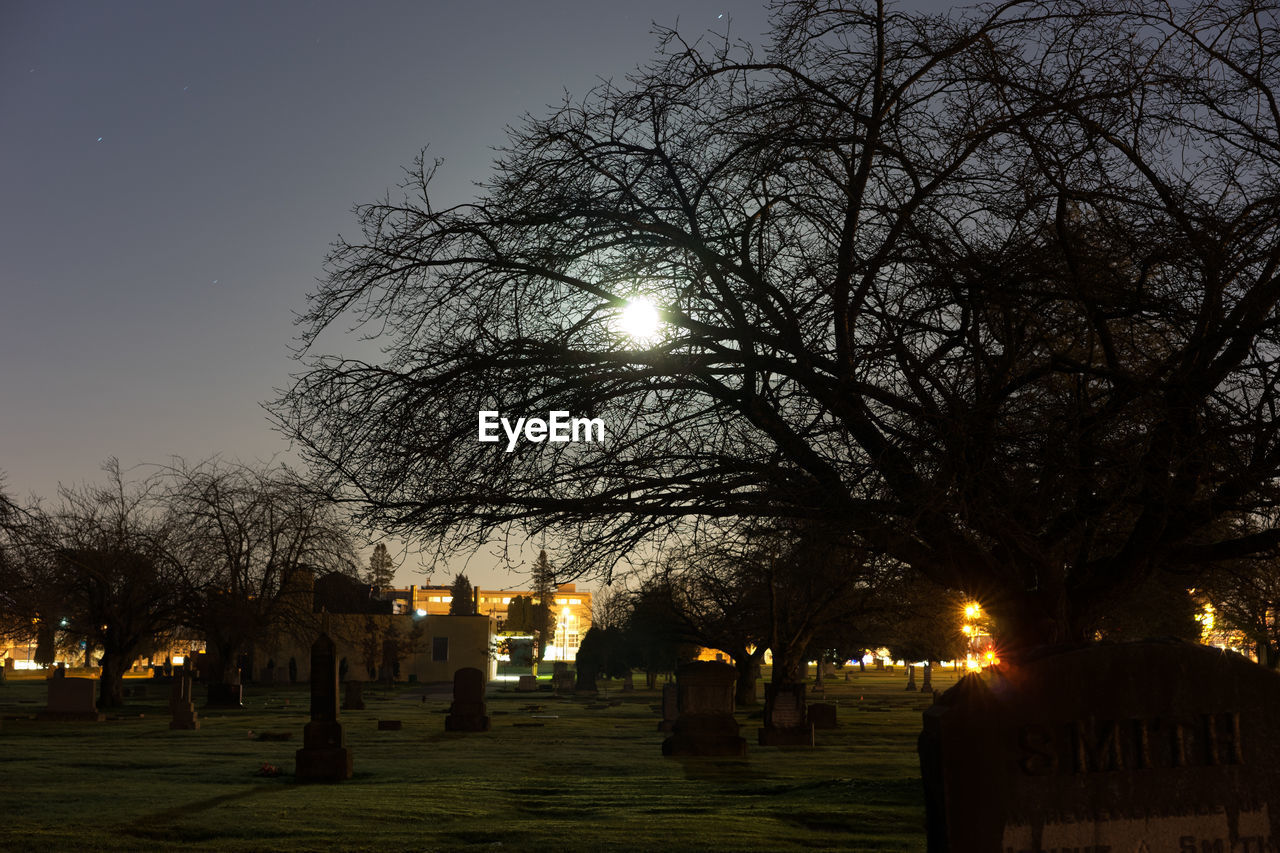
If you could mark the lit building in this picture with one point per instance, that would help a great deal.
(573, 610)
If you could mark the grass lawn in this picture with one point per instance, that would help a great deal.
(584, 779)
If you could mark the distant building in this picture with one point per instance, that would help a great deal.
(573, 610)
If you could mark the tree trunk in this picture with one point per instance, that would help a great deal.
(1026, 621)
(745, 690)
(111, 684)
(788, 666)
(1269, 654)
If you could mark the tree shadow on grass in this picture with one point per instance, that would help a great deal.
(157, 824)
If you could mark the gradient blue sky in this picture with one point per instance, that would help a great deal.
(172, 173)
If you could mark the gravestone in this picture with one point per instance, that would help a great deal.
(822, 715)
(468, 712)
(926, 684)
(784, 717)
(670, 707)
(390, 725)
(879, 664)
(219, 695)
(628, 684)
(1148, 746)
(353, 697)
(911, 678)
(72, 699)
(562, 680)
(705, 725)
(181, 707)
(585, 679)
(527, 683)
(324, 756)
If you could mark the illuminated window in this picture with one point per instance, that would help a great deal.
(575, 601)
(506, 601)
(572, 641)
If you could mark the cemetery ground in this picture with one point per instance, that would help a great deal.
(570, 773)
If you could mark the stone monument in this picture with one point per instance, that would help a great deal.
(324, 756)
(468, 712)
(784, 717)
(181, 706)
(670, 708)
(353, 696)
(822, 715)
(222, 695)
(72, 699)
(706, 725)
(1136, 746)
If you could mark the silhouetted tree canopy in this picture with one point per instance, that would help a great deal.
(99, 565)
(995, 292)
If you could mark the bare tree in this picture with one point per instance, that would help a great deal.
(100, 566)
(997, 293)
(253, 539)
(1245, 595)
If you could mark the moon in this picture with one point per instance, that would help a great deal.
(640, 318)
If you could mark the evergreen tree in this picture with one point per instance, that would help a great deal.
(463, 603)
(544, 597)
(382, 571)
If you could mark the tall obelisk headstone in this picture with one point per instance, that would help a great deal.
(324, 756)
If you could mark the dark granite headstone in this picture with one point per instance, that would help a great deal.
(468, 712)
(628, 684)
(926, 683)
(220, 695)
(527, 683)
(1149, 746)
(181, 707)
(822, 715)
(784, 717)
(706, 725)
(72, 699)
(879, 664)
(563, 680)
(911, 678)
(353, 698)
(324, 756)
(670, 707)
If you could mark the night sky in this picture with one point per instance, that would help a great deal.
(172, 174)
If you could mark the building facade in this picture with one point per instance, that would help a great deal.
(573, 611)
